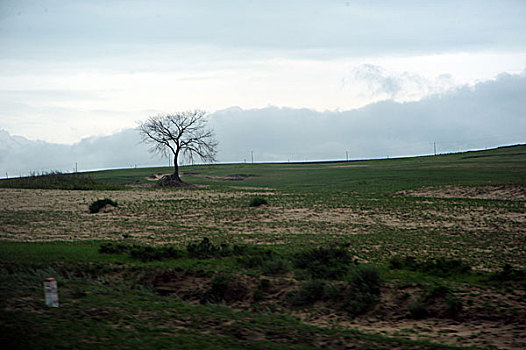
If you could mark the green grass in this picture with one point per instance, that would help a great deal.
(112, 305)
(108, 300)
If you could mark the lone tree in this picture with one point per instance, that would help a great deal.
(182, 133)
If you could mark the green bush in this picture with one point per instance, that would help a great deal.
(267, 260)
(257, 201)
(218, 287)
(365, 284)
(326, 263)
(204, 250)
(277, 265)
(114, 248)
(226, 288)
(418, 310)
(439, 301)
(442, 267)
(263, 286)
(147, 253)
(508, 274)
(308, 293)
(96, 206)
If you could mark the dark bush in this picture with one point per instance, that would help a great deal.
(206, 249)
(439, 301)
(326, 263)
(365, 286)
(224, 287)
(508, 274)
(453, 306)
(114, 248)
(96, 206)
(257, 201)
(441, 267)
(366, 278)
(218, 287)
(277, 265)
(267, 260)
(147, 253)
(263, 286)
(308, 293)
(418, 310)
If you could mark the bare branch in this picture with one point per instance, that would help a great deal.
(180, 133)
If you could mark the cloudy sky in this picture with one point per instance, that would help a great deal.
(295, 72)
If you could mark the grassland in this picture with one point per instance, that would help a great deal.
(467, 207)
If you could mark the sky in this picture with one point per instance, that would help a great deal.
(72, 72)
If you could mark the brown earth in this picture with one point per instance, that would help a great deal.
(508, 192)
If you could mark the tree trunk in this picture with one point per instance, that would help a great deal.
(172, 180)
(175, 175)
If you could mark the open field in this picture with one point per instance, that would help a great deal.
(468, 207)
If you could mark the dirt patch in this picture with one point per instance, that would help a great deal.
(506, 192)
(156, 177)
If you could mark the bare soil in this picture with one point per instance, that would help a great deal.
(508, 192)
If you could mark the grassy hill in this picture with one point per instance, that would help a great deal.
(496, 166)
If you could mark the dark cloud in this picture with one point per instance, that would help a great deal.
(489, 114)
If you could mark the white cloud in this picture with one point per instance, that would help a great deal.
(376, 84)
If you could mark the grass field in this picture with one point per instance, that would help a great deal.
(424, 252)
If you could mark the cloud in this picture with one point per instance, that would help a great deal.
(375, 83)
(488, 114)
(20, 156)
(485, 115)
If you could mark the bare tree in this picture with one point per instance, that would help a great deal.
(182, 133)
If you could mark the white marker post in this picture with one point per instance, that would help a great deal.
(51, 291)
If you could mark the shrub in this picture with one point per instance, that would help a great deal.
(267, 260)
(277, 265)
(263, 286)
(114, 248)
(439, 301)
(365, 286)
(96, 206)
(508, 274)
(453, 306)
(257, 201)
(441, 267)
(309, 292)
(224, 287)
(418, 310)
(218, 287)
(327, 263)
(205, 249)
(147, 253)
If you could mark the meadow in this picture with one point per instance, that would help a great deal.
(423, 252)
